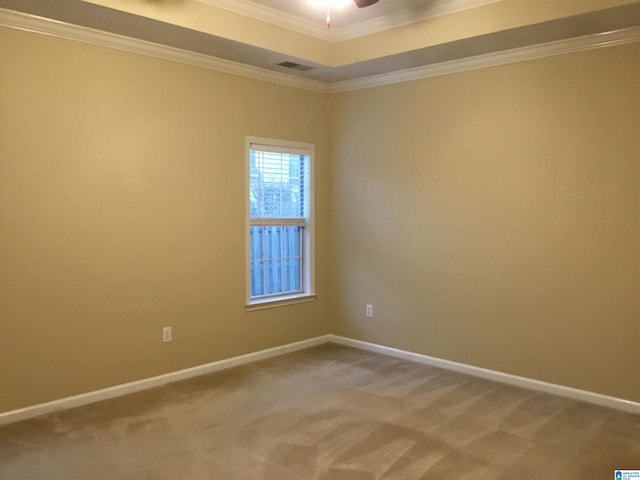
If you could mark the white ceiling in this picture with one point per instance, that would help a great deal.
(349, 14)
(298, 15)
(341, 16)
(344, 16)
(347, 21)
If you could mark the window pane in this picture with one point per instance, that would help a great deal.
(293, 279)
(256, 242)
(273, 276)
(277, 184)
(257, 284)
(276, 261)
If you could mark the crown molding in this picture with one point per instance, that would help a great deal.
(317, 29)
(250, 9)
(32, 23)
(560, 47)
(437, 9)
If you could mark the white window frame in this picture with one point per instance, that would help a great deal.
(308, 231)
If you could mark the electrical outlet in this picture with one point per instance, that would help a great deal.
(166, 334)
(369, 310)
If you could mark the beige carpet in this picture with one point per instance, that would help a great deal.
(326, 413)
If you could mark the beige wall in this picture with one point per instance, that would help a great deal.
(122, 211)
(493, 218)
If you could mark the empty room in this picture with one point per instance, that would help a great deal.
(319, 239)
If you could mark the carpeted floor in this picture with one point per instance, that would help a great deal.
(329, 412)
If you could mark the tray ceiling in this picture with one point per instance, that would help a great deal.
(461, 30)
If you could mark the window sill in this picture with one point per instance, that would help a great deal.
(279, 302)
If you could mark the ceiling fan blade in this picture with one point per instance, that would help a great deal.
(364, 3)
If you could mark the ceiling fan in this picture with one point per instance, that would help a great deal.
(359, 4)
(364, 3)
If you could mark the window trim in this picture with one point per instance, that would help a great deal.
(308, 245)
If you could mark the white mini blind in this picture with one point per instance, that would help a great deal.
(278, 182)
(260, 147)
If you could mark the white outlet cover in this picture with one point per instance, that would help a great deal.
(166, 334)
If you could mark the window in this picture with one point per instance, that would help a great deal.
(279, 222)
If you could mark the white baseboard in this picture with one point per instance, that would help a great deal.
(523, 382)
(126, 388)
(132, 387)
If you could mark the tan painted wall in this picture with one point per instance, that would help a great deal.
(121, 211)
(493, 218)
